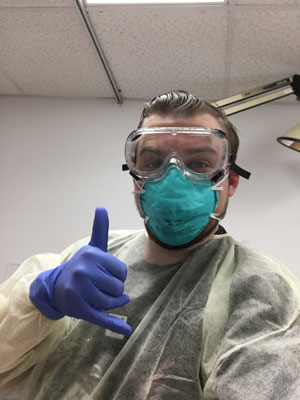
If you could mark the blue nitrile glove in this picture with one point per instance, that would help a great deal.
(90, 282)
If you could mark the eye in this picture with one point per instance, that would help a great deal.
(198, 165)
(152, 165)
(147, 163)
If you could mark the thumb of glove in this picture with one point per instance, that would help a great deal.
(99, 236)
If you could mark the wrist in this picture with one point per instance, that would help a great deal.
(40, 294)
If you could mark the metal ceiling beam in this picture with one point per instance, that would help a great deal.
(93, 37)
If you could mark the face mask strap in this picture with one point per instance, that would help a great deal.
(216, 217)
(140, 190)
(216, 184)
(135, 177)
(215, 187)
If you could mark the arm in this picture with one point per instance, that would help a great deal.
(22, 326)
(81, 283)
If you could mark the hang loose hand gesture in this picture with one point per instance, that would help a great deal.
(87, 285)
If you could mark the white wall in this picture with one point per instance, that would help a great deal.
(60, 158)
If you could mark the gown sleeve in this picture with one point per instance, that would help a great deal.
(27, 336)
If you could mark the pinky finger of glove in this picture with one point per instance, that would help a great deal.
(109, 322)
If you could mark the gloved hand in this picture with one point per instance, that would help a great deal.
(90, 282)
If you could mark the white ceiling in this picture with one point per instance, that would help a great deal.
(212, 51)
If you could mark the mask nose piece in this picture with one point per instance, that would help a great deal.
(175, 162)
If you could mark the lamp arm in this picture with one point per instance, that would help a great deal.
(260, 95)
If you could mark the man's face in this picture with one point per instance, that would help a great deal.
(229, 185)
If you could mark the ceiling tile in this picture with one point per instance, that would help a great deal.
(154, 49)
(47, 52)
(265, 47)
(264, 2)
(36, 3)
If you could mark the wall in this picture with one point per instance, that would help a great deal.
(60, 158)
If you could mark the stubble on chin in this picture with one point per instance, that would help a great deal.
(210, 228)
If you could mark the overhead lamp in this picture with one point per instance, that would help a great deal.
(291, 139)
(265, 94)
(151, 2)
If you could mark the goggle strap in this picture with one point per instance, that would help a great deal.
(125, 168)
(240, 171)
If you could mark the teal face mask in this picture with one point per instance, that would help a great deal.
(176, 209)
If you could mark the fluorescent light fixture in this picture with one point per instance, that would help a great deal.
(141, 2)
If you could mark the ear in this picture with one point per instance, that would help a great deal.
(233, 179)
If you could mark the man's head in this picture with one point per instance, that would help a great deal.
(182, 109)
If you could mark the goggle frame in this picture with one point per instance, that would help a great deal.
(173, 160)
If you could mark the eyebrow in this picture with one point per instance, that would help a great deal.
(157, 151)
(201, 150)
(150, 150)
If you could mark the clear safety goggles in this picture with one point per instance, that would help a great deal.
(200, 153)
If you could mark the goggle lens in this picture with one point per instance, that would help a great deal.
(202, 152)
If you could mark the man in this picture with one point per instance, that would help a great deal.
(180, 312)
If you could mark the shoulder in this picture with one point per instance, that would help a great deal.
(259, 271)
(239, 262)
(251, 291)
(263, 296)
(118, 238)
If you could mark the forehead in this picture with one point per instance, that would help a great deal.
(167, 142)
(180, 141)
(201, 121)
(185, 145)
